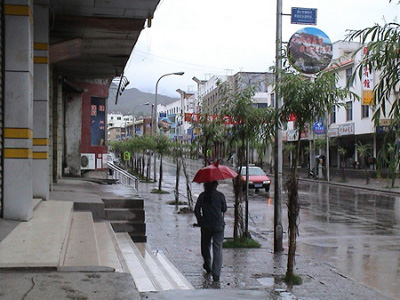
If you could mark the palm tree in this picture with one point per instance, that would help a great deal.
(163, 147)
(383, 56)
(364, 151)
(387, 156)
(249, 123)
(308, 100)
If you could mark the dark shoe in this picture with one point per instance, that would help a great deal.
(215, 278)
(208, 269)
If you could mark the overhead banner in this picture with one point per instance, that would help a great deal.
(310, 50)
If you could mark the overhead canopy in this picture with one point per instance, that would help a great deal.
(93, 39)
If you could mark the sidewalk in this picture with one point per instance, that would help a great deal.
(256, 272)
(247, 273)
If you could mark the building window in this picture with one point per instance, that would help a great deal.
(364, 111)
(333, 116)
(349, 111)
(118, 118)
(349, 71)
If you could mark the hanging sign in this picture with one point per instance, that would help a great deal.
(319, 127)
(127, 155)
(305, 16)
(164, 124)
(310, 50)
(367, 80)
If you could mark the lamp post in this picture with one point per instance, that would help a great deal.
(154, 123)
(133, 114)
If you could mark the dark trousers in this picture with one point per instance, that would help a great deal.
(217, 237)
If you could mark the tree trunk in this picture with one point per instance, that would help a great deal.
(143, 164)
(205, 151)
(293, 212)
(161, 172)
(188, 186)
(178, 171)
(148, 166)
(238, 189)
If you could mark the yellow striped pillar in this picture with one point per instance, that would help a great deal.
(41, 103)
(18, 110)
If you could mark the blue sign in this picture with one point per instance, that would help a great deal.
(319, 127)
(305, 16)
(382, 129)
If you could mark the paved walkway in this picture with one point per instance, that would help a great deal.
(245, 269)
(247, 273)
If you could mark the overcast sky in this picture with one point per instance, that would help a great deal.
(222, 37)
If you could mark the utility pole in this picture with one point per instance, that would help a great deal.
(278, 230)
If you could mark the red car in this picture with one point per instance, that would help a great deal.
(257, 178)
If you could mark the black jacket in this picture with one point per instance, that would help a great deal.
(209, 214)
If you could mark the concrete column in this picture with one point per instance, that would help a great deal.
(18, 110)
(50, 136)
(58, 122)
(58, 110)
(41, 103)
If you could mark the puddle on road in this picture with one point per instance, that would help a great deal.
(267, 281)
(285, 295)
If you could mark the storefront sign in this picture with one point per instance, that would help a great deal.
(367, 81)
(310, 50)
(382, 129)
(292, 135)
(384, 122)
(368, 97)
(346, 129)
(333, 132)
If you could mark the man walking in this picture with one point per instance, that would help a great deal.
(209, 210)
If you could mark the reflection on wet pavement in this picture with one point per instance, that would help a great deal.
(355, 232)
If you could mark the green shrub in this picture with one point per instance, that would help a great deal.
(241, 243)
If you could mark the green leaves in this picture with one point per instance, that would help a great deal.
(310, 98)
(383, 43)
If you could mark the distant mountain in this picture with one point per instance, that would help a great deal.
(132, 98)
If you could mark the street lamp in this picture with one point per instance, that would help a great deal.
(133, 115)
(134, 109)
(154, 123)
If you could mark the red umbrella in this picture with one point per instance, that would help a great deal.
(214, 172)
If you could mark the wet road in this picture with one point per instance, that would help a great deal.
(356, 232)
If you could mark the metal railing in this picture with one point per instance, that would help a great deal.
(123, 176)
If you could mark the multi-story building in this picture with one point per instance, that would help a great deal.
(348, 124)
(116, 124)
(175, 112)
